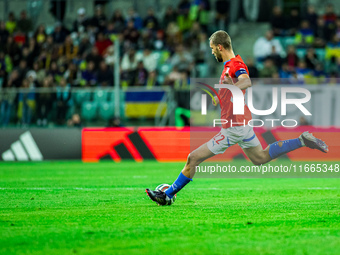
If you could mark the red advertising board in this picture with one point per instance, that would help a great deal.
(174, 144)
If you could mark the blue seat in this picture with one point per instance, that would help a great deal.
(100, 95)
(301, 53)
(81, 96)
(106, 110)
(165, 69)
(89, 110)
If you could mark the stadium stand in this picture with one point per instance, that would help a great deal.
(71, 56)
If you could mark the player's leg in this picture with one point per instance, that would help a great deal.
(259, 156)
(194, 159)
(216, 145)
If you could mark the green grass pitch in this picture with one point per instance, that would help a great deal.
(78, 208)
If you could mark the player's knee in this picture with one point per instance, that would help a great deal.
(259, 160)
(192, 159)
(256, 162)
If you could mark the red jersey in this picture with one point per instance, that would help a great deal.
(235, 67)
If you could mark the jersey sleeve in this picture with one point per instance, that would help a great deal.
(240, 68)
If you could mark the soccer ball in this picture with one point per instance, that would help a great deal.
(164, 187)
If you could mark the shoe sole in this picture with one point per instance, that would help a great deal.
(315, 143)
(151, 197)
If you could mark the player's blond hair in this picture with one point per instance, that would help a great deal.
(221, 37)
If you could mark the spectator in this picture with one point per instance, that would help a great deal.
(24, 23)
(4, 34)
(94, 57)
(266, 46)
(102, 43)
(59, 34)
(85, 46)
(13, 50)
(99, 19)
(302, 69)
(63, 100)
(81, 23)
(284, 73)
(40, 72)
(11, 23)
(278, 21)
(104, 75)
(253, 72)
(135, 19)
(89, 77)
(321, 33)
(337, 30)
(329, 16)
(129, 66)
(169, 16)
(192, 36)
(40, 35)
(182, 59)
(22, 70)
(52, 49)
(333, 48)
(176, 78)
(150, 21)
(174, 36)
(26, 104)
(45, 101)
(19, 38)
(55, 72)
(222, 8)
(159, 43)
(14, 79)
(68, 49)
(312, 18)
(7, 98)
(111, 32)
(292, 58)
(33, 47)
(72, 75)
(110, 56)
(4, 68)
(149, 61)
(329, 19)
(130, 34)
(200, 11)
(333, 78)
(183, 19)
(293, 22)
(152, 79)
(269, 69)
(75, 121)
(27, 55)
(311, 59)
(305, 36)
(141, 75)
(118, 21)
(319, 74)
(201, 50)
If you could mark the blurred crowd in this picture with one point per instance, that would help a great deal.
(302, 49)
(82, 54)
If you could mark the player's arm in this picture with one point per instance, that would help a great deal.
(244, 82)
